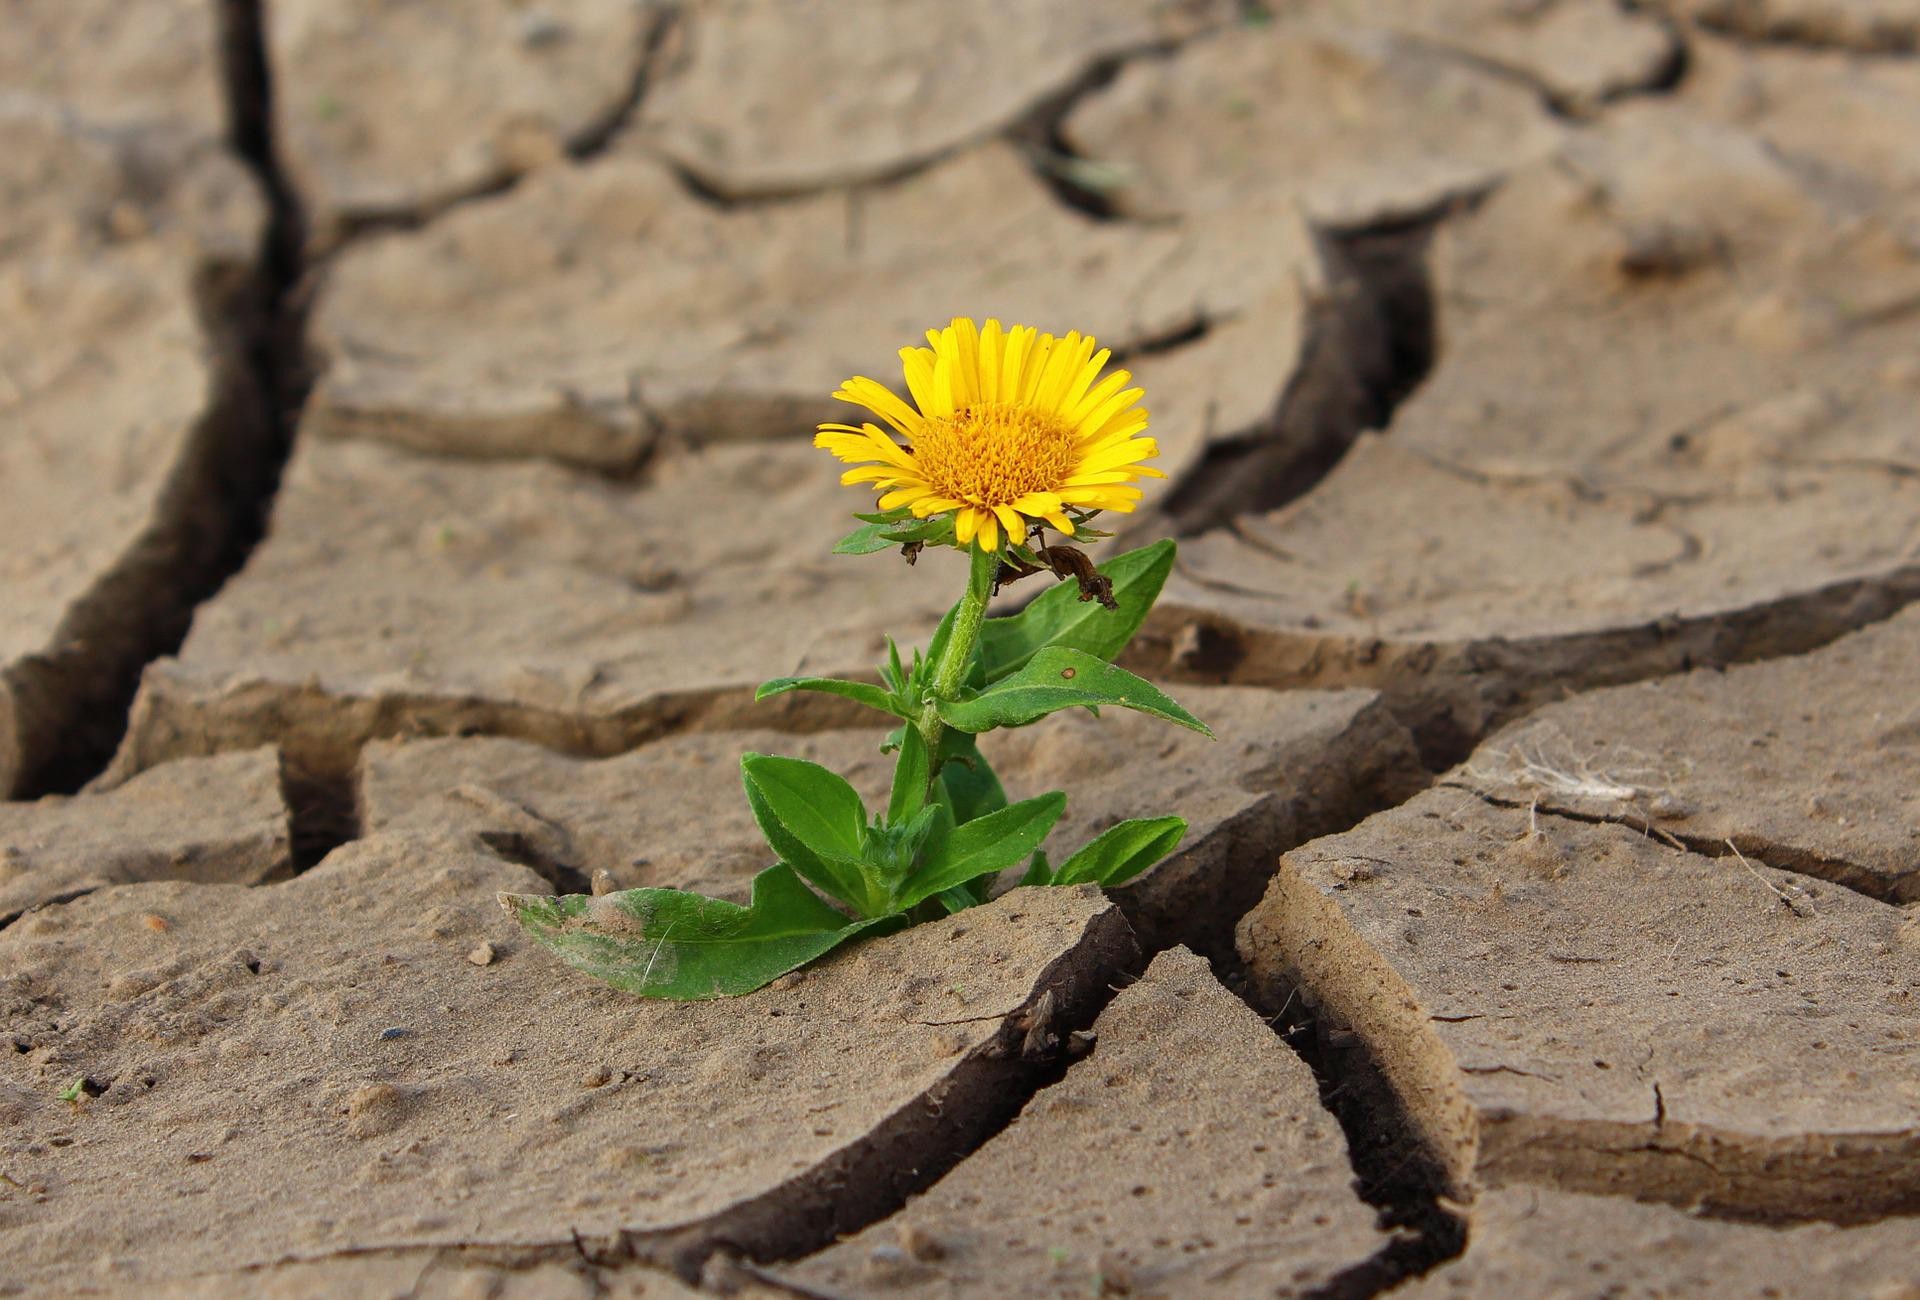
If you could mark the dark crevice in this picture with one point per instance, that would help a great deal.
(869, 1181)
(1167, 340)
(322, 811)
(1369, 345)
(1041, 134)
(1395, 1171)
(57, 900)
(564, 878)
(275, 346)
(1765, 853)
(1880, 39)
(72, 705)
(218, 500)
(590, 142)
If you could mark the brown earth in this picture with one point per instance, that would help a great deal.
(1536, 386)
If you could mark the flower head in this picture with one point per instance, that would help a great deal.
(1007, 428)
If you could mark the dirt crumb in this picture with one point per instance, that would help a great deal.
(375, 1109)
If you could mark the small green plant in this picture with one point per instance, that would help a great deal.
(1011, 433)
(74, 1093)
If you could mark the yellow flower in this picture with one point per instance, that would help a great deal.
(1010, 428)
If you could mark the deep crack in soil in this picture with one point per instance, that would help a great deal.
(1360, 363)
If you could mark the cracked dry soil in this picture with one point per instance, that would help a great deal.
(382, 388)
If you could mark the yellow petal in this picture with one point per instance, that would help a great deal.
(882, 401)
(966, 362)
(943, 380)
(903, 496)
(1077, 388)
(1011, 521)
(989, 533)
(965, 524)
(917, 365)
(992, 347)
(1022, 353)
(1130, 452)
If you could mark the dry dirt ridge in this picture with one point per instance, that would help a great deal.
(392, 406)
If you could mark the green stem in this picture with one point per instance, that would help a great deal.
(950, 673)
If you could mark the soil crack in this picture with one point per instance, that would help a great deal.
(1747, 850)
(1368, 347)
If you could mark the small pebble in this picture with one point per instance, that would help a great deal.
(921, 1244)
(397, 1031)
(156, 923)
(482, 955)
(596, 1077)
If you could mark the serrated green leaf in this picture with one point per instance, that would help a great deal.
(882, 531)
(866, 693)
(815, 821)
(662, 943)
(982, 847)
(1122, 852)
(1058, 617)
(864, 540)
(1055, 679)
(912, 770)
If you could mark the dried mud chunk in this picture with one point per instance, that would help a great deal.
(1579, 53)
(429, 1275)
(595, 308)
(1530, 1241)
(1614, 1016)
(752, 1116)
(146, 63)
(908, 82)
(1811, 763)
(218, 820)
(668, 814)
(389, 110)
(1398, 128)
(1681, 302)
(130, 421)
(1188, 1154)
(1881, 26)
(400, 594)
(1285, 767)
(1488, 594)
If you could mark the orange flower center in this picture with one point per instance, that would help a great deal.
(994, 453)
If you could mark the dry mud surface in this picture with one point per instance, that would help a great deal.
(404, 483)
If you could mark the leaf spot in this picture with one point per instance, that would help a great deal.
(1069, 673)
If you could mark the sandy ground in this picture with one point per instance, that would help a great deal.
(404, 482)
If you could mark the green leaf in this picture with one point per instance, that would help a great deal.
(982, 847)
(662, 943)
(864, 692)
(959, 898)
(967, 780)
(1038, 873)
(894, 674)
(1055, 679)
(864, 540)
(1058, 617)
(882, 531)
(911, 772)
(814, 820)
(1122, 852)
